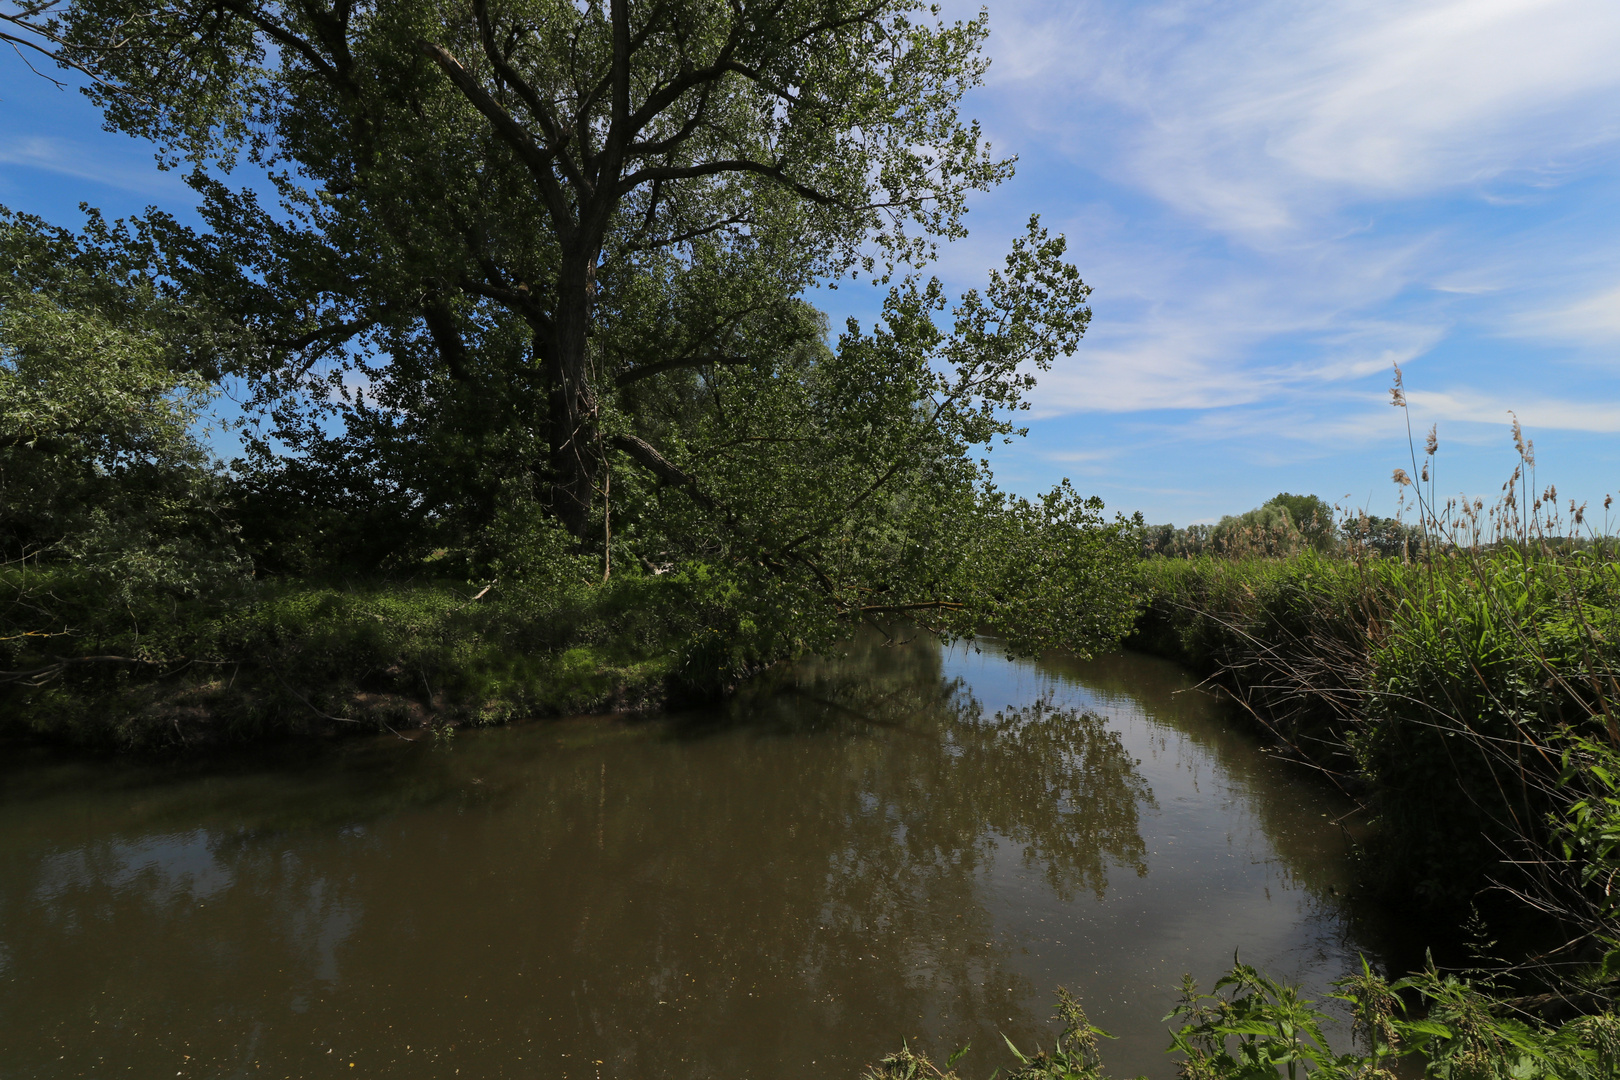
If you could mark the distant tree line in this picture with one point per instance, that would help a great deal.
(1285, 525)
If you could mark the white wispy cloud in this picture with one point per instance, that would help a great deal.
(1536, 413)
(1592, 319)
(1282, 198)
(1260, 118)
(134, 172)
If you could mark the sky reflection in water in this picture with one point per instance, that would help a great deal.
(903, 842)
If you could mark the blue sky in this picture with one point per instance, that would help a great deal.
(1273, 202)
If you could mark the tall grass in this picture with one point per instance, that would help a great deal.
(1465, 688)
(276, 658)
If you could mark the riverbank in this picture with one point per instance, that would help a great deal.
(1467, 700)
(1415, 686)
(286, 659)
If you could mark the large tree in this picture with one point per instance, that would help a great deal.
(554, 253)
(457, 164)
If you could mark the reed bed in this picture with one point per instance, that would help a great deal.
(1464, 687)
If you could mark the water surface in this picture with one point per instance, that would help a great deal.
(905, 842)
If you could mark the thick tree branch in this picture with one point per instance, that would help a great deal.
(647, 371)
(44, 444)
(650, 459)
(446, 335)
(536, 158)
(714, 168)
(557, 136)
(667, 95)
(665, 145)
(723, 64)
(620, 14)
(519, 299)
(341, 330)
(605, 83)
(285, 38)
(681, 238)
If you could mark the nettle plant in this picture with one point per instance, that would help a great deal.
(1253, 1027)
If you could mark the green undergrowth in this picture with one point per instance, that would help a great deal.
(1253, 1027)
(1467, 699)
(1250, 621)
(272, 659)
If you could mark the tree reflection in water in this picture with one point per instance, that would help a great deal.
(780, 888)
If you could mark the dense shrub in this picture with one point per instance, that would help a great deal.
(280, 658)
(1467, 699)
(1253, 1027)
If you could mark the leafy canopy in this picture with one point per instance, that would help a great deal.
(536, 264)
(99, 460)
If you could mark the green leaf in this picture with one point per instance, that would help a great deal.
(1432, 1028)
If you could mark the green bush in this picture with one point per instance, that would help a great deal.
(1441, 689)
(1253, 1027)
(276, 658)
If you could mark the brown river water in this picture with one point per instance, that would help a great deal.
(903, 843)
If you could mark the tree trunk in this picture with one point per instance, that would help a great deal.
(575, 455)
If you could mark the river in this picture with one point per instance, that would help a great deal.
(905, 842)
